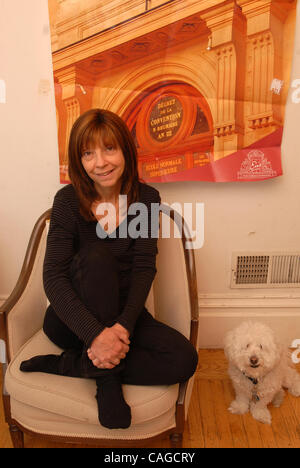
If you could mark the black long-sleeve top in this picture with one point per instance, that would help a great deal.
(69, 231)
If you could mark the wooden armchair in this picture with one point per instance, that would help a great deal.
(63, 408)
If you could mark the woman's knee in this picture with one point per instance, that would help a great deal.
(58, 332)
(185, 356)
(94, 257)
(95, 279)
(186, 361)
(94, 270)
(182, 354)
(177, 357)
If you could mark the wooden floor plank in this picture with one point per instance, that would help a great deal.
(295, 403)
(236, 423)
(222, 417)
(193, 434)
(267, 435)
(251, 430)
(207, 413)
(292, 420)
(280, 428)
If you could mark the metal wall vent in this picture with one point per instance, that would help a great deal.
(265, 270)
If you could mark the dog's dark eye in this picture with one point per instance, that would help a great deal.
(247, 346)
(260, 346)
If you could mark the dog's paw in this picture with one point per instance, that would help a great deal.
(278, 398)
(295, 389)
(238, 407)
(261, 414)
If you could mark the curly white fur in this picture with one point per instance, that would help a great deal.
(259, 368)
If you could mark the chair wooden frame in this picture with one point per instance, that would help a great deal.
(16, 429)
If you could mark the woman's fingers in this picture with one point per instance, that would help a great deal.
(105, 364)
(115, 360)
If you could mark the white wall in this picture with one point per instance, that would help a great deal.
(28, 153)
(247, 216)
(250, 217)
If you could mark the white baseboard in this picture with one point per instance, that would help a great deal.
(219, 313)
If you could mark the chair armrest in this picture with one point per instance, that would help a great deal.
(20, 315)
(27, 264)
(2, 352)
(176, 306)
(3, 365)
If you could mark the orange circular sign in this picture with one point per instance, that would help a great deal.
(165, 118)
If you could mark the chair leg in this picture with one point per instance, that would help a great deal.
(17, 436)
(176, 440)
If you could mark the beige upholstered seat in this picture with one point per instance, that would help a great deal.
(65, 408)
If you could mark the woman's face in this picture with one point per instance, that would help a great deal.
(104, 163)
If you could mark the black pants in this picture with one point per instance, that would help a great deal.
(158, 354)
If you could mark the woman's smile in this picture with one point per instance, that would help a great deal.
(104, 174)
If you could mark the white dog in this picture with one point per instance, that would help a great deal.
(259, 368)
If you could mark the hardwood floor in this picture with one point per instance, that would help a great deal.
(209, 423)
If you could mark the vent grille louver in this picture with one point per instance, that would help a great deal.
(265, 270)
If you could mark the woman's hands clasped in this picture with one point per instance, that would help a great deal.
(109, 347)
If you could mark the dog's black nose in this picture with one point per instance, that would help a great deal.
(254, 360)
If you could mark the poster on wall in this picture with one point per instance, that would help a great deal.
(202, 85)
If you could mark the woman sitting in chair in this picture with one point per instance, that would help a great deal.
(97, 279)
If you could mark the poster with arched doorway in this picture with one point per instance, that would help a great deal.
(173, 129)
(201, 85)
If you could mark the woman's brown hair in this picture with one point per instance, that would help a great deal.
(85, 133)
